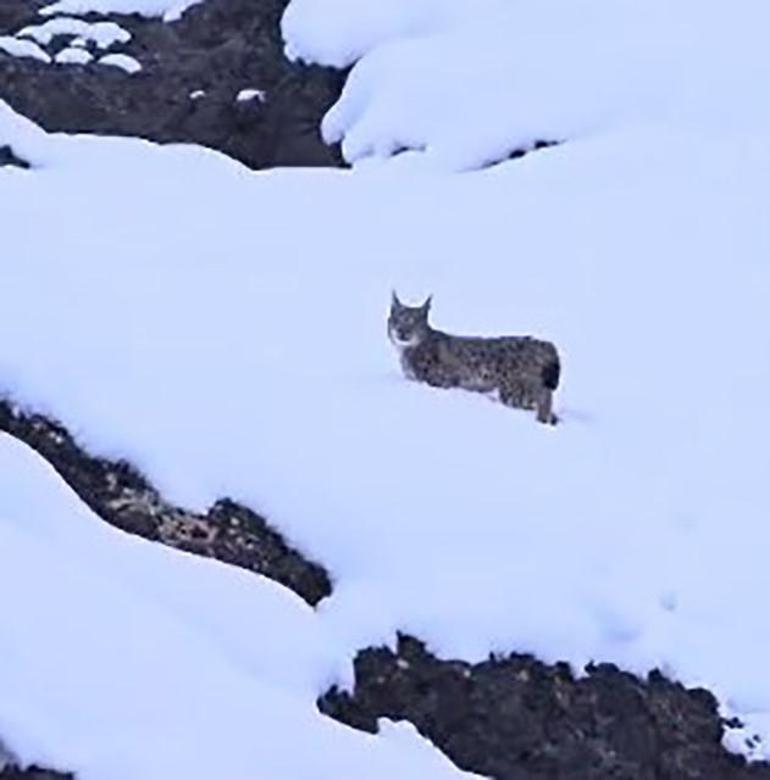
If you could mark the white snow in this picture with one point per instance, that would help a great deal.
(103, 34)
(73, 56)
(473, 89)
(225, 331)
(164, 664)
(197, 94)
(338, 32)
(170, 10)
(25, 138)
(123, 61)
(250, 94)
(21, 48)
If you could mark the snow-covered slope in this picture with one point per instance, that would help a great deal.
(122, 659)
(225, 331)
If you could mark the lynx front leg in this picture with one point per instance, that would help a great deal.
(438, 377)
(511, 395)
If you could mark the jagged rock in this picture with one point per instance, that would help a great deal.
(192, 72)
(515, 718)
(123, 497)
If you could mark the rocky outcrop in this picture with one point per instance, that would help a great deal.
(192, 72)
(123, 497)
(515, 718)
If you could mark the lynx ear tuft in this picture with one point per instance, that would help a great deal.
(394, 298)
(426, 306)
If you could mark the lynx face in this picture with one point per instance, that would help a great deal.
(408, 325)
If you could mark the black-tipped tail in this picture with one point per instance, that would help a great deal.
(551, 374)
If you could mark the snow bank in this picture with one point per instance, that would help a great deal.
(164, 664)
(470, 84)
(339, 32)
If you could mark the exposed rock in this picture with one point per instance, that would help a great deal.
(515, 718)
(192, 72)
(33, 773)
(8, 157)
(9, 769)
(123, 497)
(517, 154)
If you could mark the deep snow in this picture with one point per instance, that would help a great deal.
(225, 331)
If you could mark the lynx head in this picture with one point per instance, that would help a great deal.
(408, 325)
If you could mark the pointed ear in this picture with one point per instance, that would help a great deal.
(426, 306)
(394, 298)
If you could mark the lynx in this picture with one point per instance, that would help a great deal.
(521, 370)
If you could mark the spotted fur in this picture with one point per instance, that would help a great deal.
(522, 371)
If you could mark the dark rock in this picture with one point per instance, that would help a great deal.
(33, 773)
(218, 48)
(516, 718)
(8, 157)
(123, 497)
(520, 152)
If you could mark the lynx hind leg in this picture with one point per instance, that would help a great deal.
(545, 407)
(525, 395)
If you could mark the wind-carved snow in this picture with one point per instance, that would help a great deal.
(169, 10)
(21, 48)
(73, 56)
(122, 61)
(164, 664)
(103, 34)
